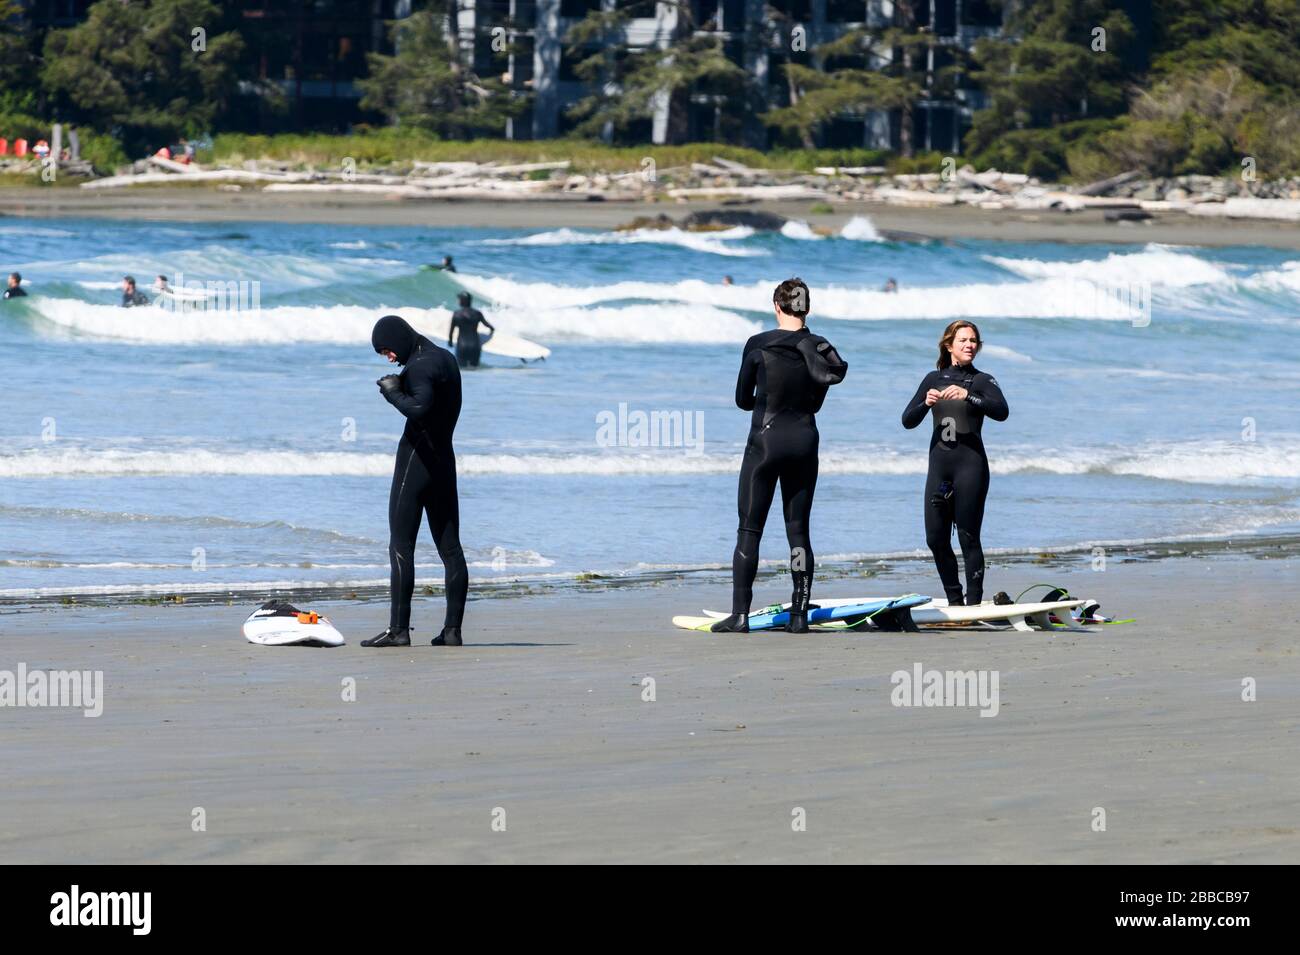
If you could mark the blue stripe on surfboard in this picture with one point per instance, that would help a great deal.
(767, 621)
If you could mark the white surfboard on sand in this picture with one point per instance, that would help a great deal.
(1020, 616)
(278, 624)
(502, 344)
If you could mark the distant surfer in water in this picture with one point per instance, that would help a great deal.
(464, 329)
(427, 393)
(15, 288)
(131, 296)
(959, 397)
(784, 376)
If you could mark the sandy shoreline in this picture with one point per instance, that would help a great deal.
(543, 716)
(963, 222)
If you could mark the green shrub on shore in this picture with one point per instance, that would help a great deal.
(384, 146)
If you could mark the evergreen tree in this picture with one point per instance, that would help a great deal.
(140, 71)
(628, 87)
(893, 75)
(426, 84)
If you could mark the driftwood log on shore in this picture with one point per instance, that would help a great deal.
(724, 179)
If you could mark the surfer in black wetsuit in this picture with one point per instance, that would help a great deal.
(784, 376)
(960, 397)
(464, 328)
(427, 392)
(131, 296)
(15, 288)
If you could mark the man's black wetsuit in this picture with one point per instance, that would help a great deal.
(464, 327)
(958, 479)
(133, 299)
(783, 379)
(424, 478)
(15, 291)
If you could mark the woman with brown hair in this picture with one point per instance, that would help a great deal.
(959, 397)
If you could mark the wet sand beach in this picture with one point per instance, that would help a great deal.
(964, 222)
(543, 716)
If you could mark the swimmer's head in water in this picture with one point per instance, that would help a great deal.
(393, 334)
(464, 298)
(792, 298)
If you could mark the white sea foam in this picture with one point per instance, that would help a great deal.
(798, 229)
(352, 324)
(1196, 462)
(715, 243)
(1046, 298)
(1285, 278)
(860, 229)
(1155, 264)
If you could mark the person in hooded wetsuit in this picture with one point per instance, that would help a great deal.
(464, 328)
(427, 393)
(15, 287)
(784, 376)
(959, 396)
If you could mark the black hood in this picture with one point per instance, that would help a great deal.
(392, 333)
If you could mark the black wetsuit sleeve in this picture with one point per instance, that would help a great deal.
(484, 320)
(824, 363)
(917, 409)
(417, 398)
(985, 395)
(747, 380)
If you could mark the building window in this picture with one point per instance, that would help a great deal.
(577, 9)
(846, 11)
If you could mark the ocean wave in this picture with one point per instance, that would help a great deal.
(1046, 298)
(1158, 265)
(1194, 462)
(1285, 278)
(275, 270)
(93, 516)
(352, 324)
(715, 243)
(35, 232)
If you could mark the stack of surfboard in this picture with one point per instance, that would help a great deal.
(896, 613)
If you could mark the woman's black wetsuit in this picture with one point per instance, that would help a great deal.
(958, 479)
(424, 478)
(783, 379)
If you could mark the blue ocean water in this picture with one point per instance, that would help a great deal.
(1151, 389)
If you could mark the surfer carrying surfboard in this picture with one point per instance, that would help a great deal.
(784, 376)
(427, 393)
(464, 329)
(959, 397)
